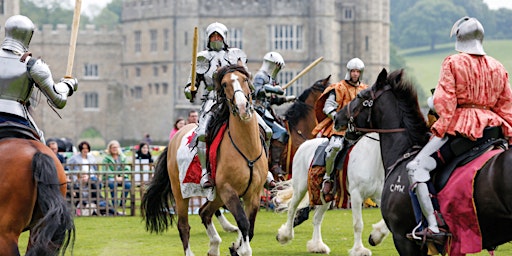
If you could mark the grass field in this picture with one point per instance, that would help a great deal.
(127, 236)
(425, 65)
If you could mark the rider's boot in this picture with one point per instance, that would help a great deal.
(335, 146)
(206, 178)
(276, 150)
(432, 233)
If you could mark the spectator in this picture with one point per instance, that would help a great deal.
(143, 152)
(84, 162)
(115, 161)
(180, 122)
(54, 146)
(88, 198)
(147, 139)
(193, 117)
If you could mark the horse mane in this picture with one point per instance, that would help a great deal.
(407, 97)
(299, 108)
(220, 109)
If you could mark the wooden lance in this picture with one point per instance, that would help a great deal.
(194, 61)
(304, 71)
(72, 41)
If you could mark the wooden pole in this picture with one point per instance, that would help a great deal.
(74, 35)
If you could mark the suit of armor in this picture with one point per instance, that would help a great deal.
(19, 72)
(208, 61)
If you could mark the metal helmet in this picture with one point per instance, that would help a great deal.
(223, 32)
(273, 62)
(354, 63)
(18, 33)
(470, 34)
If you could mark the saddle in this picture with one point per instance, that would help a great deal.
(464, 150)
(10, 129)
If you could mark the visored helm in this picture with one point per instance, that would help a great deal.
(470, 34)
(355, 63)
(223, 32)
(273, 62)
(18, 33)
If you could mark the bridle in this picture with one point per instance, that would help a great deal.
(231, 102)
(368, 103)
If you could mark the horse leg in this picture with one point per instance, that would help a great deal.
(206, 212)
(242, 246)
(316, 245)
(285, 233)
(379, 232)
(358, 248)
(226, 225)
(8, 244)
(183, 225)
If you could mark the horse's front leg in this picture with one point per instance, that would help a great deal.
(316, 244)
(358, 248)
(206, 212)
(242, 247)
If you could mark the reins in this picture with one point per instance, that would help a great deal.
(250, 163)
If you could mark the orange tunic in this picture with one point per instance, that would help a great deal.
(473, 92)
(344, 94)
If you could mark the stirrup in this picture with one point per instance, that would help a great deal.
(207, 182)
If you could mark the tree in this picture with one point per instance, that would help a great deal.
(110, 16)
(428, 22)
(49, 12)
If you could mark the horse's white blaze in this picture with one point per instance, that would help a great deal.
(365, 178)
(240, 100)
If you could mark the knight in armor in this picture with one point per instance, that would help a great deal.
(473, 93)
(20, 72)
(334, 98)
(218, 54)
(267, 92)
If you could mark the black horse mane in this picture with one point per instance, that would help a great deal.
(407, 97)
(299, 108)
(221, 108)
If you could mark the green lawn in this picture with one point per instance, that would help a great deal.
(425, 65)
(127, 236)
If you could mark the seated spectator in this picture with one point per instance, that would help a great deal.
(87, 196)
(143, 152)
(180, 122)
(115, 161)
(84, 162)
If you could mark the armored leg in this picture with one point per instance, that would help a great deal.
(206, 179)
(267, 129)
(419, 173)
(275, 156)
(335, 146)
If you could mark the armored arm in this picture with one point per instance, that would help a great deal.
(331, 105)
(56, 93)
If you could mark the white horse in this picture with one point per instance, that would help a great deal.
(365, 180)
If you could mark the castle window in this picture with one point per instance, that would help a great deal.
(90, 70)
(286, 37)
(91, 100)
(137, 43)
(137, 71)
(166, 39)
(286, 76)
(2, 7)
(154, 36)
(165, 88)
(235, 38)
(367, 43)
(155, 71)
(137, 92)
(348, 13)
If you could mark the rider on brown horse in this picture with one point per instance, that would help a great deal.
(20, 73)
(473, 93)
(335, 97)
(267, 92)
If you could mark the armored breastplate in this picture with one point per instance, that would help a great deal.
(14, 82)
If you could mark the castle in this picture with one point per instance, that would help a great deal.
(131, 78)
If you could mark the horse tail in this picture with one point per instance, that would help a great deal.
(54, 232)
(155, 207)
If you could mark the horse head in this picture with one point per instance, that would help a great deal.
(234, 87)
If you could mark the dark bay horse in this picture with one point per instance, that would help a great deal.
(241, 170)
(299, 120)
(32, 198)
(391, 108)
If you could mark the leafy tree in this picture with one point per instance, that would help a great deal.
(49, 12)
(428, 22)
(110, 16)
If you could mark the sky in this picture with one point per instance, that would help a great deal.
(496, 4)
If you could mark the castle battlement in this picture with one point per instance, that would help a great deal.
(48, 34)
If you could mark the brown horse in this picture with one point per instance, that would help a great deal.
(241, 170)
(299, 120)
(391, 108)
(32, 198)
